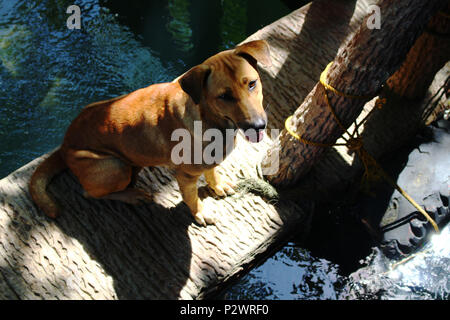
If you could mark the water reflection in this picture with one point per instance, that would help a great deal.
(179, 26)
(48, 73)
(293, 273)
(233, 18)
(424, 276)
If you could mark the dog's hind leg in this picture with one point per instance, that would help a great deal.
(105, 177)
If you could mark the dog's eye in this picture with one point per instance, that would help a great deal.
(226, 96)
(252, 85)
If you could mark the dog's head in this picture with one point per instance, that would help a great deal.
(228, 86)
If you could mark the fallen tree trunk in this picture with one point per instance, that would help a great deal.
(360, 68)
(428, 55)
(110, 250)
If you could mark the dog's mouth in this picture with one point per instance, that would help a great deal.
(253, 135)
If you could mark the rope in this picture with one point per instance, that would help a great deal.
(305, 141)
(396, 264)
(323, 81)
(372, 170)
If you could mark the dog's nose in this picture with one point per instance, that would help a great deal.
(258, 124)
(254, 131)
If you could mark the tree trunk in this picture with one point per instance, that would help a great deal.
(428, 55)
(413, 97)
(337, 174)
(360, 68)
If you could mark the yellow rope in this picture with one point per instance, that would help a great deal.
(323, 81)
(372, 170)
(395, 265)
(305, 141)
(414, 203)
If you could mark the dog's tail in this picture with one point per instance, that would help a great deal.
(40, 179)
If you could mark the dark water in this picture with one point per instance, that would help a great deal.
(294, 273)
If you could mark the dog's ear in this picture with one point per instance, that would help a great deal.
(257, 50)
(193, 81)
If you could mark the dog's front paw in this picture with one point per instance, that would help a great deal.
(201, 216)
(204, 219)
(221, 185)
(223, 188)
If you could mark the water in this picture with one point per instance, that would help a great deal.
(294, 273)
(48, 72)
(424, 276)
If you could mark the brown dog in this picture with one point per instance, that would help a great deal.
(110, 141)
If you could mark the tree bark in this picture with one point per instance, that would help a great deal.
(428, 55)
(360, 68)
